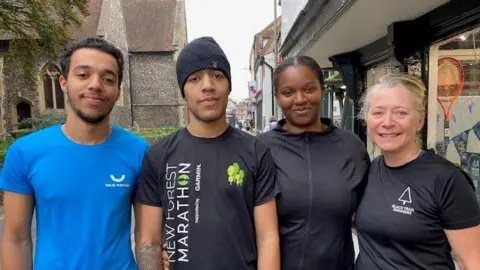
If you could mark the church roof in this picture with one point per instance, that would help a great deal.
(90, 23)
(150, 25)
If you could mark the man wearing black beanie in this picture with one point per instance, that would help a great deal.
(209, 187)
(201, 53)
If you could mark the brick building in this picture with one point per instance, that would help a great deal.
(242, 114)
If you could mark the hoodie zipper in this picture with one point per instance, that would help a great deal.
(310, 188)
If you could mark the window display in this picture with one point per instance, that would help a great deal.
(454, 101)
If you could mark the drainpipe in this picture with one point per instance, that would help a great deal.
(130, 88)
(275, 32)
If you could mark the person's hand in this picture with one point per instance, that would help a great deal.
(166, 264)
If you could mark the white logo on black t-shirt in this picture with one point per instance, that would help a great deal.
(405, 198)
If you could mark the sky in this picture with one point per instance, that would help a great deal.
(232, 23)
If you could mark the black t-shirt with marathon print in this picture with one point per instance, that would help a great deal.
(405, 210)
(208, 189)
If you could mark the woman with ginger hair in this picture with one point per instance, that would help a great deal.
(417, 206)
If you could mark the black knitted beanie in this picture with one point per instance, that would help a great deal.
(201, 53)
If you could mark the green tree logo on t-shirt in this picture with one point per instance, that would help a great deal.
(235, 174)
(183, 180)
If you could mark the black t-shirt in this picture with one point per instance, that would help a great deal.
(208, 189)
(320, 176)
(405, 210)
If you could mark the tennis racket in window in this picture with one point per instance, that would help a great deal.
(451, 79)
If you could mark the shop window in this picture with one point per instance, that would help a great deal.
(373, 75)
(336, 104)
(454, 101)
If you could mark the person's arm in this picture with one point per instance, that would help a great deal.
(460, 217)
(268, 244)
(16, 244)
(465, 244)
(149, 216)
(16, 247)
(166, 263)
(362, 169)
(148, 236)
(265, 214)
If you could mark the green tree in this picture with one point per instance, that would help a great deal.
(38, 27)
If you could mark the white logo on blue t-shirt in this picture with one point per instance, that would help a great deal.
(118, 182)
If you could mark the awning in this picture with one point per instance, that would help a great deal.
(343, 26)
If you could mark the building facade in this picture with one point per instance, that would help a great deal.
(149, 92)
(242, 112)
(262, 66)
(231, 112)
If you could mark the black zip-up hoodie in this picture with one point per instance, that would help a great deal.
(321, 178)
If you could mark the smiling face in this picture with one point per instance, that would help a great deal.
(393, 120)
(92, 84)
(299, 95)
(206, 93)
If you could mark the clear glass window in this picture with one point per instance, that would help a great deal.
(454, 101)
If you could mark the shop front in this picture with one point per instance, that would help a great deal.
(441, 47)
(451, 70)
(439, 43)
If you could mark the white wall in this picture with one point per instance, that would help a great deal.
(268, 84)
(265, 85)
(290, 10)
(267, 94)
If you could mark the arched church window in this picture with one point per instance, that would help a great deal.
(53, 94)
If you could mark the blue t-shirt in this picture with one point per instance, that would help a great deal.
(83, 196)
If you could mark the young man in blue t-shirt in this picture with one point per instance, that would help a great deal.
(79, 175)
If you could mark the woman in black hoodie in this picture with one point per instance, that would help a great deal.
(320, 170)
